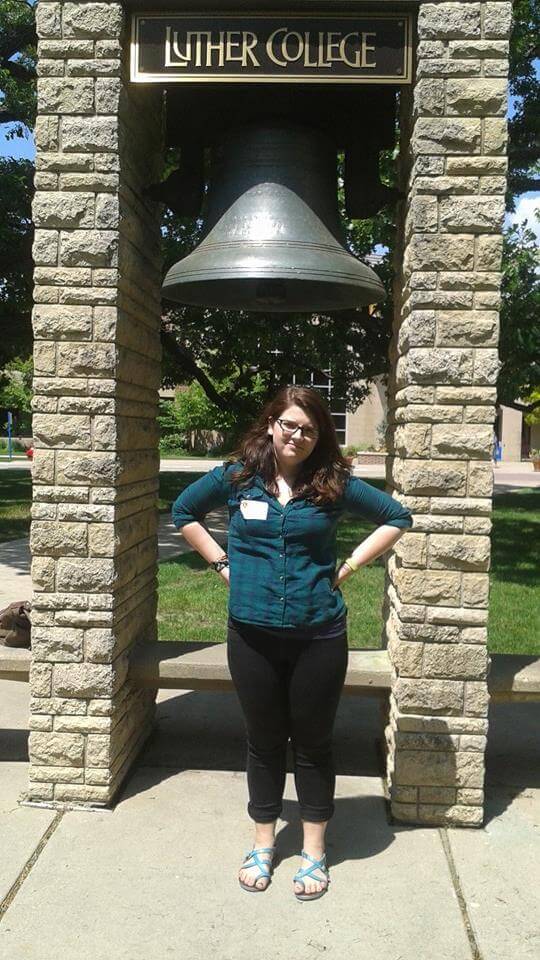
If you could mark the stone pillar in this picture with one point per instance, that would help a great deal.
(441, 410)
(97, 373)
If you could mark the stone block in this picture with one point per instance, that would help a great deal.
(455, 661)
(484, 49)
(495, 138)
(445, 21)
(465, 440)
(497, 20)
(55, 322)
(436, 366)
(83, 680)
(40, 679)
(486, 366)
(449, 68)
(107, 211)
(58, 430)
(434, 697)
(422, 767)
(99, 469)
(92, 248)
(56, 749)
(49, 20)
(89, 134)
(83, 359)
(458, 553)
(412, 549)
(43, 573)
(45, 247)
(57, 644)
(58, 539)
(475, 590)
(107, 94)
(94, 68)
(432, 477)
(46, 133)
(441, 252)
(465, 328)
(488, 253)
(472, 214)
(428, 586)
(88, 575)
(44, 358)
(480, 481)
(448, 135)
(476, 97)
(429, 98)
(63, 210)
(65, 95)
(462, 616)
(95, 20)
(412, 440)
(476, 700)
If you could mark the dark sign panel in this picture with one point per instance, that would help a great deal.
(271, 48)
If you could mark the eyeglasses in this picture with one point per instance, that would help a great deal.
(289, 428)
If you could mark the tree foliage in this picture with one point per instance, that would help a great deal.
(18, 43)
(519, 344)
(16, 233)
(524, 127)
(17, 111)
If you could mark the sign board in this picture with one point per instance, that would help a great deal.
(271, 48)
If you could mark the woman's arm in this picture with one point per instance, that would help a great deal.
(372, 547)
(191, 506)
(199, 538)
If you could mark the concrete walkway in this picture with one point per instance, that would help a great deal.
(156, 876)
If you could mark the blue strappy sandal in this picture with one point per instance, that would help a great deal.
(308, 872)
(263, 866)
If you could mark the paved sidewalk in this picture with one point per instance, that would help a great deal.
(156, 876)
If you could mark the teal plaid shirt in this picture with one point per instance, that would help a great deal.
(282, 565)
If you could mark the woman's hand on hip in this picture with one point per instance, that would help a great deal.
(225, 574)
(342, 574)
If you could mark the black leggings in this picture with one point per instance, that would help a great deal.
(288, 687)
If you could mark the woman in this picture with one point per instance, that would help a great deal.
(286, 486)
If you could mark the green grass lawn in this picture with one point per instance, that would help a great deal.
(15, 498)
(193, 600)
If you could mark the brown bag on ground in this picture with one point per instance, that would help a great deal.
(15, 624)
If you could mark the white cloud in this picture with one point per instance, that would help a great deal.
(527, 208)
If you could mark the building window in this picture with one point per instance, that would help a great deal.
(323, 383)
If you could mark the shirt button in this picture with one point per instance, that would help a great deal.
(281, 578)
(282, 598)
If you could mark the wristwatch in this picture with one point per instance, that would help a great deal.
(219, 564)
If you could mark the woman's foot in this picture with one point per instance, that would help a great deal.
(251, 875)
(317, 880)
(258, 862)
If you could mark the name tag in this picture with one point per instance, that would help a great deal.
(254, 509)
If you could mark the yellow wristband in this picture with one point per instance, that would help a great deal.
(353, 564)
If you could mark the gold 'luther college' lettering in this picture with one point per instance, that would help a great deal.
(308, 49)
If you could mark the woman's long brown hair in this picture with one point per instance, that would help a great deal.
(322, 475)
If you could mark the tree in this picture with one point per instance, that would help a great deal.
(18, 42)
(18, 109)
(519, 345)
(16, 392)
(16, 234)
(524, 127)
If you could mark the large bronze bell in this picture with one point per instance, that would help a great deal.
(273, 239)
